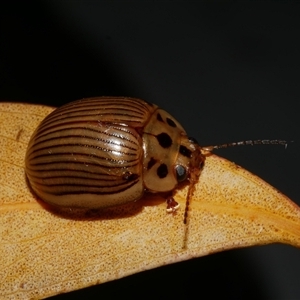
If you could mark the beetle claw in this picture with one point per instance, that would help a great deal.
(172, 205)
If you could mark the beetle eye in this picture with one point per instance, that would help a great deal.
(181, 173)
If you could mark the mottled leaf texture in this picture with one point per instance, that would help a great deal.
(45, 252)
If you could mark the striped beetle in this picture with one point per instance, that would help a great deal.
(105, 151)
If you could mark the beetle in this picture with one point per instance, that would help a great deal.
(106, 151)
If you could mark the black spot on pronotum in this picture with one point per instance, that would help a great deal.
(171, 122)
(164, 140)
(159, 118)
(185, 151)
(151, 163)
(162, 171)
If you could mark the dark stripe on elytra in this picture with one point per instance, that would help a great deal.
(87, 146)
(109, 165)
(88, 184)
(99, 105)
(185, 151)
(86, 191)
(115, 118)
(75, 174)
(151, 163)
(164, 140)
(90, 118)
(91, 110)
(97, 112)
(105, 180)
(64, 133)
(162, 171)
(103, 103)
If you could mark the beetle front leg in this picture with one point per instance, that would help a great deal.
(172, 205)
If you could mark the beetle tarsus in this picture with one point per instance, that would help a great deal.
(172, 205)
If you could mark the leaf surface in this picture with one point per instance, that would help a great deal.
(45, 252)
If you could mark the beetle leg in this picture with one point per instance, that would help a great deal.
(172, 205)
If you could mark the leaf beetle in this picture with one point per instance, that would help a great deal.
(106, 151)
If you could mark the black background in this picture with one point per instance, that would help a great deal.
(228, 71)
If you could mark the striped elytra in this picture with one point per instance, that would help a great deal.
(106, 151)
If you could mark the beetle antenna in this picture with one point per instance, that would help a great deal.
(209, 149)
(246, 143)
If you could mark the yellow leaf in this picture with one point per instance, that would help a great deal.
(45, 252)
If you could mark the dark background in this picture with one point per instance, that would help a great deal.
(228, 71)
